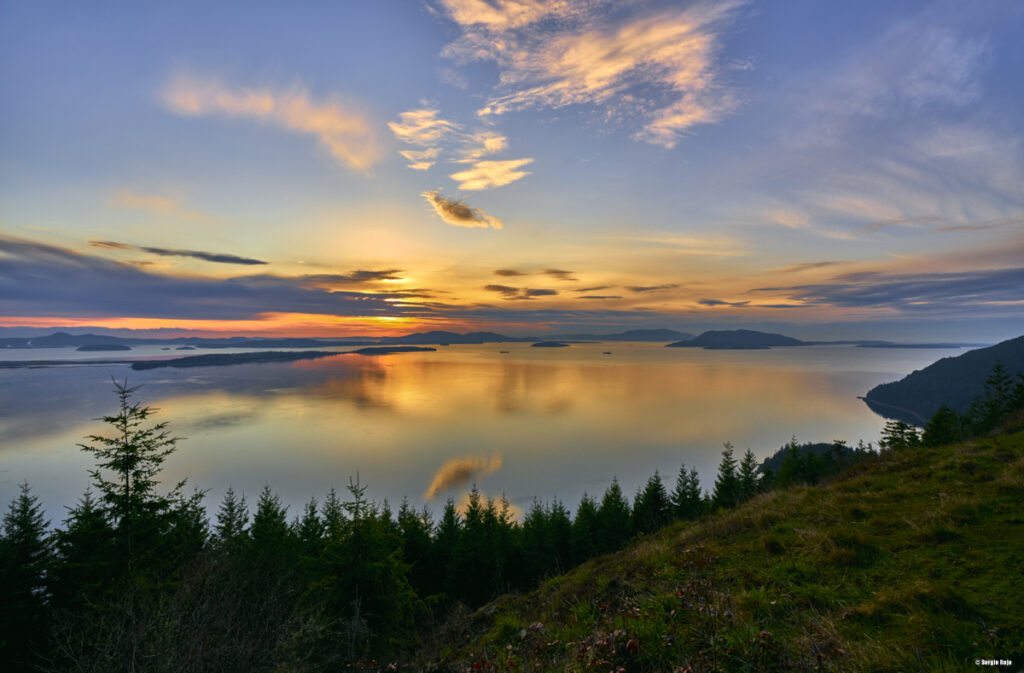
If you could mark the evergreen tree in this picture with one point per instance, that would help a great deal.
(230, 530)
(415, 529)
(443, 550)
(614, 519)
(367, 585)
(749, 482)
(583, 538)
(727, 485)
(271, 538)
(687, 500)
(133, 455)
(652, 508)
(945, 427)
(309, 531)
(898, 436)
(25, 561)
(87, 567)
(333, 515)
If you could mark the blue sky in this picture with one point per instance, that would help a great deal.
(518, 165)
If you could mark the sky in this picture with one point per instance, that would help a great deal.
(822, 169)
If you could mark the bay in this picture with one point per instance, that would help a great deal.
(527, 423)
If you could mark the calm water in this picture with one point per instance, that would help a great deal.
(534, 422)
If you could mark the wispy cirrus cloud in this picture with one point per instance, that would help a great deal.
(920, 292)
(481, 143)
(488, 174)
(457, 213)
(501, 15)
(807, 266)
(436, 136)
(554, 54)
(426, 129)
(220, 258)
(344, 132)
(157, 204)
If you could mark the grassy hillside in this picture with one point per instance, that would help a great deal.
(911, 563)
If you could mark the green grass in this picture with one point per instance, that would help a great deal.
(911, 563)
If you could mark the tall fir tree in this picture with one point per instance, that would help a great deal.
(26, 556)
(652, 508)
(614, 518)
(727, 485)
(749, 481)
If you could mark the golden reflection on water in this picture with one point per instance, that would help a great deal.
(538, 423)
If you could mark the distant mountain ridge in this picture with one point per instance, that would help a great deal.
(953, 381)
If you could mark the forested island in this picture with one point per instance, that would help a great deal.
(801, 562)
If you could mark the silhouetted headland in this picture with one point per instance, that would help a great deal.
(953, 381)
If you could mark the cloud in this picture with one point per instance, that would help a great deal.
(357, 276)
(806, 266)
(508, 272)
(37, 279)
(421, 158)
(506, 290)
(157, 204)
(967, 290)
(652, 288)
(794, 219)
(719, 302)
(600, 296)
(458, 471)
(487, 174)
(171, 252)
(560, 274)
(554, 54)
(522, 294)
(424, 128)
(501, 15)
(347, 134)
(458, 214)
(482, 143)
(421, 127)
(594, 288)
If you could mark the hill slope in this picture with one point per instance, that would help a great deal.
(953, 381)
(909, 563)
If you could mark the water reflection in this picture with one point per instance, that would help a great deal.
(538, 424)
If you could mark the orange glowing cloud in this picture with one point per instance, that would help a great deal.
(347, 134)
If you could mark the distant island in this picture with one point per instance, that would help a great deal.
(221, 359)
(104, 347)
(954, 382)
(384, 350)
(550, 344)
(742, 339)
